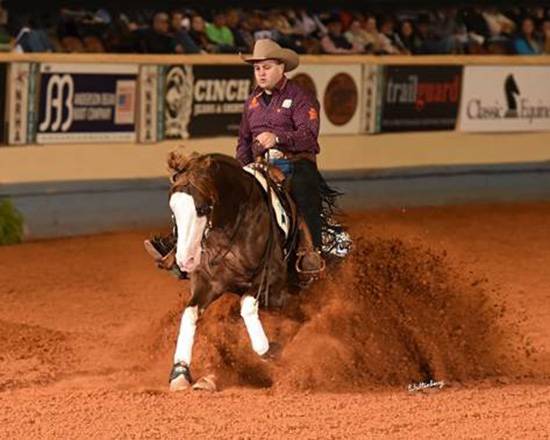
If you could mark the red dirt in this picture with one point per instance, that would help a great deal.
(460, 294)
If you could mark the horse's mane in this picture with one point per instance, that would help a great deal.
(197, 170)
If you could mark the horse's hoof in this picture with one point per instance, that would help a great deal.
(180, 377)
(206, 383)
(274, 352)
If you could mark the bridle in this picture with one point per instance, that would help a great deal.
(208, 210)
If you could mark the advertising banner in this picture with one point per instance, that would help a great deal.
(150, 106)
(505, 98)
(178, 92)
(416, 98)
(339, 91)
(372, 93)
(21, 80)
(205, 100)
(3, 75)
(87, 103)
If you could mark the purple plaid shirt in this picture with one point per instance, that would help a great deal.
(292, 115)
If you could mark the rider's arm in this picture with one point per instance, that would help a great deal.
(305, 118)
(244, 146)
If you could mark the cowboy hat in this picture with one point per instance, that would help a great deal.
(267, 49)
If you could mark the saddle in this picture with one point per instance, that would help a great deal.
(309, 264)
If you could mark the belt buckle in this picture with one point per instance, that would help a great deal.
(273, 154)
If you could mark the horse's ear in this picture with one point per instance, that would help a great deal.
(177, 160)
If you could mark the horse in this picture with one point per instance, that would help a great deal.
(227, 241)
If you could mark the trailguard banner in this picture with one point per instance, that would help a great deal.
(505, 98)
(87, 103)
(218, 95)
(418, 98)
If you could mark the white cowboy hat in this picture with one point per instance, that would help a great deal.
(267, 49)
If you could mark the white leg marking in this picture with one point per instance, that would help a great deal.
(249, 312)
(184, 346)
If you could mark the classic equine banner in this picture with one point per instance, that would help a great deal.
(505, 98)
(418, 98)
(87, 103)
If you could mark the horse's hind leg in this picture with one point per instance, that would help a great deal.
(249, 313)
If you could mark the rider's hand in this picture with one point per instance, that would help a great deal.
(266, 140)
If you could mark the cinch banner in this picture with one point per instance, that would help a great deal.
(505, 98)
(416, 98)
(218, 95)
(338, 89)
(87, 103)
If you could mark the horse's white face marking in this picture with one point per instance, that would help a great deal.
(190, 231)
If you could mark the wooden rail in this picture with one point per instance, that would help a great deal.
(305, 59)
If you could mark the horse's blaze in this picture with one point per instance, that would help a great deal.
(190, 231)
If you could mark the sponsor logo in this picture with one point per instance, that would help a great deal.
(421, 93)
(341, 99)
(220, 96)
(516, 106)
(59, 104)
(178, 99)
(125, 102)
(221, 90)
(305, 82)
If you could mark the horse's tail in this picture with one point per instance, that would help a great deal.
(336, 240)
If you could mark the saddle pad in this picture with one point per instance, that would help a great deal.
(280, 213)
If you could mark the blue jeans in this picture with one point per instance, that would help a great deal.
(284, 165)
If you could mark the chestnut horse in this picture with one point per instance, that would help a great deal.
(227, 241)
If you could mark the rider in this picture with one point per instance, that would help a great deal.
(280, 121)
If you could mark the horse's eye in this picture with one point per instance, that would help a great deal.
(203, 210)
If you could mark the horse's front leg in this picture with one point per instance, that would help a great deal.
(249, 313)
(203, 293)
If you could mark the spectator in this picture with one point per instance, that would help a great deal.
(374, 42)
(410, 39)
(391, 44)
(334, 41)
(304, 24)
(283, 32)
(32, 38)
(244, 41)
(357, 36)
(184, 43)
(546, 37)
(498, 24)
(198, 34)
(156, 39)
(525, 42)
(219, 34)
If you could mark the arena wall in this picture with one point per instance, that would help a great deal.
(67, 189)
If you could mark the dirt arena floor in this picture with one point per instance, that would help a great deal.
(453, 294)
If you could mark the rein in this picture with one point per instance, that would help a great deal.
(218, 258)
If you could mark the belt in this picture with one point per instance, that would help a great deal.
(300, 156)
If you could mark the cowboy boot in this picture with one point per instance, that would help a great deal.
(163, 251)
(310, 265)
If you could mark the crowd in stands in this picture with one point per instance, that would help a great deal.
(446, 30)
